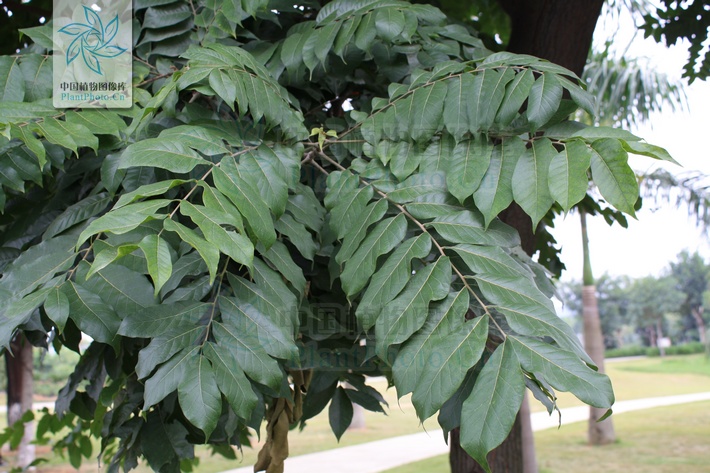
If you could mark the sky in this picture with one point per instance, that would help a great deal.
(659, 234)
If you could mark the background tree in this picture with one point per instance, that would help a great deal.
(651, 299)
(620, 307)
(17, 14)
(691, 273)
(690, 21)
(598, 432)
(166, 232)
(612, 301)
(686, 190)
(626, 94)
(629, 90)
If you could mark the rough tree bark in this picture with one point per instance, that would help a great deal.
(598, 433)
(697, 313)
(557, 30)
(560, 31)
(506, 458)
(20, 387)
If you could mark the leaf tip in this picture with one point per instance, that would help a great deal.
(608, 413)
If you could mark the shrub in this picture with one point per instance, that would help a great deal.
(631, 350)
(684, 349)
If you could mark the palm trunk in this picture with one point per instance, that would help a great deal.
(598, 433)
(526, 434)
(20, 387)
(358, 421)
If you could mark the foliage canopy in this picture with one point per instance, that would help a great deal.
(673, 21)
(230, 268)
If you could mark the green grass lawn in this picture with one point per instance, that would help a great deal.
(670, 439)
(651, 377)
(661, 440)
(690, 364)
(632, 379)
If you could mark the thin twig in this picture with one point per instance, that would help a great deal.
(189, 193)
(145, 62)
(309, 160)
(155, 78)
(331, 142)
(242, 151)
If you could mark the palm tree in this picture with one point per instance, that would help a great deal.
(692, 191)
(627, 91)
(689, 189)
(598, 433)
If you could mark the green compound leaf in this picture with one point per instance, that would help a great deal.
(159, 260)
(489, 412)
(530, 180)
(407, 312)
(612, 174)
(568, 174)
(199, 396)
(434, 362)
(391, 278)
(563, 370)
(382, 239)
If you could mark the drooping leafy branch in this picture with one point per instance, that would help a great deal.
(228, 269)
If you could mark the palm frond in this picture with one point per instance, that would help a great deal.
(688, 190)
(628, 91)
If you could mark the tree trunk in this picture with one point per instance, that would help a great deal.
(598, 433)
(358, 420)
(659, 336)
(20, 387)
(697, 314)
(526, 433)
(504, 459)
(652, 338)
(559, 31)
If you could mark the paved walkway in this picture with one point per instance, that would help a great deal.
(374, 457)
(37, 406)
